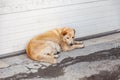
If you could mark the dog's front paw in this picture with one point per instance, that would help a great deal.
(56, 56)
(81, 46)
(80, 42)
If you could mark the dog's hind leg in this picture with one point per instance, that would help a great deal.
(46, 58)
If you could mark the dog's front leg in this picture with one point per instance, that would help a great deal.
(78, 42)
(76, 46)
(67, 48)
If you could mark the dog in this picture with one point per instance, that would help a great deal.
(46, 46)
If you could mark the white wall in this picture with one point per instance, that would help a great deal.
(22, 19)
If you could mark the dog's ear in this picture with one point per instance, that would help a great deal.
(64, 33)
(74, 31)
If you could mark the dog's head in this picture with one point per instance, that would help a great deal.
(68, 35)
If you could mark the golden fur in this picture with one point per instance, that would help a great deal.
(44, 46)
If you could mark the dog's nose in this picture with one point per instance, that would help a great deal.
(71, 44)
(58, 53)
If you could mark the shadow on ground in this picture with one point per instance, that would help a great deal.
(56, 70)
(105, 75)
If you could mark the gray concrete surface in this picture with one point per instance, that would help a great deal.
(99, 60)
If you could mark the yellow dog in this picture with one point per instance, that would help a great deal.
(44, 47)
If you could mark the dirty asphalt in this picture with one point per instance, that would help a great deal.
(99, 61)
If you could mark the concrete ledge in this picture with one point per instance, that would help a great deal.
(99, 35)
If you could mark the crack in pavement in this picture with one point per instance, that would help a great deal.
(57, 70)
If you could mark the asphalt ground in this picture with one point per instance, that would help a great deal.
(99, 60)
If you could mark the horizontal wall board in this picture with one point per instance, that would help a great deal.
(21, 20)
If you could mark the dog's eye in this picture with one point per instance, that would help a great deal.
(72, 37)
(67, 37)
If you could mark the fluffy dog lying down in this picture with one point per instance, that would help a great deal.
(45, 47)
